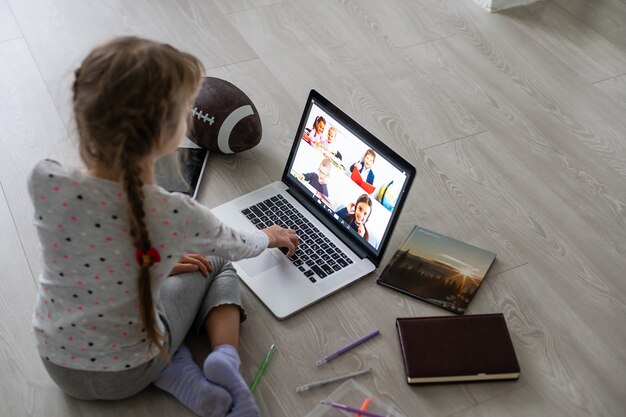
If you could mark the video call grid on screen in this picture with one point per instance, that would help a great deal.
(341, 187)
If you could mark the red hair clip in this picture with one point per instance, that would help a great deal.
(147, 258)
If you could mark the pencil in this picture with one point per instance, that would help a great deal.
(350, 409)
(261, 370)
(316, 384)
(346, 348)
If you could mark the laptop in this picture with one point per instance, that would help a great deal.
(181, 171)
(342, 190)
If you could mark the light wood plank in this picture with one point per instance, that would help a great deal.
(31, 130)
(584, 50)
(50, 26)
(8, 25)
(365, 85)
(614, 88)
(607, 17)
(232, 6)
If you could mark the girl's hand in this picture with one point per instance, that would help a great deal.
(192, 262)
(361, 229)
(279, 237)
(351, 208)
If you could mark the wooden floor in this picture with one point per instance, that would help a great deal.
(516, 123)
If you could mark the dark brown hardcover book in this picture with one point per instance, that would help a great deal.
(438, 269)
(457, 348)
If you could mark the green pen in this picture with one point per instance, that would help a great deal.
(261, 370)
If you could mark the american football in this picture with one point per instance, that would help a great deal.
(224, 118)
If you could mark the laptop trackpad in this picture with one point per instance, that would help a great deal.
(259, 264)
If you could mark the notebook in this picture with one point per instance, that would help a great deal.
(181, 171)
(457, 348)
(343, 229)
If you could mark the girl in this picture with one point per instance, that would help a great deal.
(315, 134)
(357, 214)
(109, 314)
(364, 166)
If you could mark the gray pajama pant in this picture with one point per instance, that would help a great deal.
(185, 301)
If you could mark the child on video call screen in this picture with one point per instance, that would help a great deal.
(346, 175)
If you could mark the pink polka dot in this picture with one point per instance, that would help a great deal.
(117, 325)
(115, 357)
(127, 291)
(166, 222)
(82, 332)
(162, 246)
(79, 282)
(74, 183)
(124, 229)
(64, 204)
(57, 189)
(45, 342)
(73, 357)
(96, 303)
(165, 199)
(63, 363)
(187, 222)
(174, 234)
(127, 264)
(114, 346)
(152, 209)
(104, 203)
(92, 245)
(45, 302)
(70, 338)
(42, 197)
(108, 239)
(55, 245)
(110, 271)
(104, 367)
(80, 308)
(111, 299)
(83, 349)
(124, 333)
(96, 277)
(93, 327)
(59, 226)
(69, 309)
(66, 256)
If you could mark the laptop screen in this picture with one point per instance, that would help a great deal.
(351, 176)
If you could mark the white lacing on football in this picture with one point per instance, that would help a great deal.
(223, 136)
(203, 116)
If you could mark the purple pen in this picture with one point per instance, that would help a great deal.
(346, 348)
(351, 409)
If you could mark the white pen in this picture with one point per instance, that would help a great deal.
(316, 384)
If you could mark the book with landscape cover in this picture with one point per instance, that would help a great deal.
(457, 349)
(437, 269)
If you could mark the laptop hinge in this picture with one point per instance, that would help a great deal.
(337, 230)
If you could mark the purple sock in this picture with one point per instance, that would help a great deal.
(183, 379)
(222, 368)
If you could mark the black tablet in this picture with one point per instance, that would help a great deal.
(182, 170)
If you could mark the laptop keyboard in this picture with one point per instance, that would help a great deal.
(317, 257)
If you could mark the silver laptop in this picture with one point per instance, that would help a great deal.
(342, 190)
